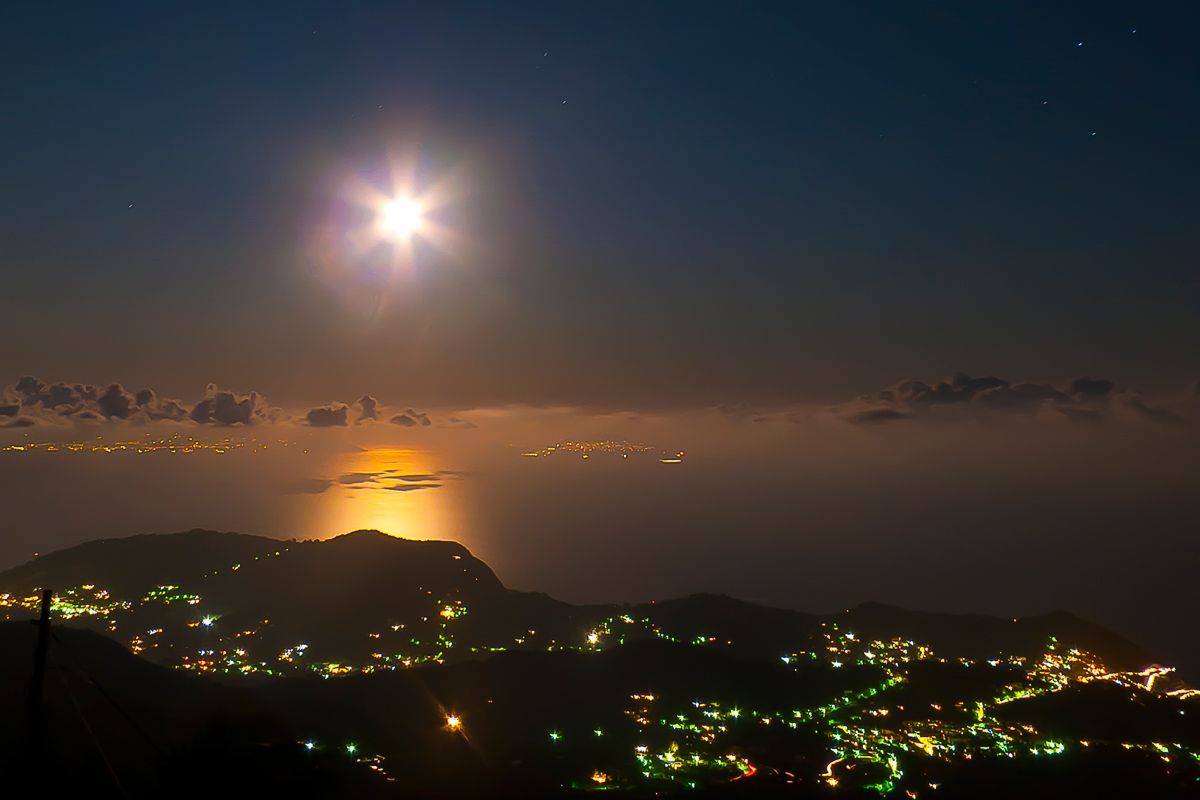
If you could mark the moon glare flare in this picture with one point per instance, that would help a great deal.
(381, 227)
(400, 218)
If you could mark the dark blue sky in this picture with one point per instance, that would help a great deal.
(769, 204)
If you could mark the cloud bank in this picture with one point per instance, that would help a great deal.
(1084, 399)
(30, 402)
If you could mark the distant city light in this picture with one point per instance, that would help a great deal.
(624, 449)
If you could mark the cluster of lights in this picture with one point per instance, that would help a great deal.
(177, 443)
(170, 594)
(73, 603)
(622, 449)
(421, 641)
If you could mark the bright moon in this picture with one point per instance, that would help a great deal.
(400, 217)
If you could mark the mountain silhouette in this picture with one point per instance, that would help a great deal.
(334, 594)
(371, 666)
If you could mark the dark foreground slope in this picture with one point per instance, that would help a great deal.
(367, 666)
(544, 725)
(114, 725)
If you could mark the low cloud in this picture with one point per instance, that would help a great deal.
(395, 480)
(156, 408)
(357, 477)
(332, 415)
(405, 487)
(115, 402)
(225, 407)
(869, 415)
(1091, 387)
(368, 408)
(31, 401)
(409, 419)
(1084, 399)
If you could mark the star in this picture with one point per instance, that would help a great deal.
(1079, 45)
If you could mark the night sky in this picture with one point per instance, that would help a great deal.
(667, 206)
(914, 285)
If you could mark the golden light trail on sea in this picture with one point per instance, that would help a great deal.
(405, 495)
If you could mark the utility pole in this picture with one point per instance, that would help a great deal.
(39, 673)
